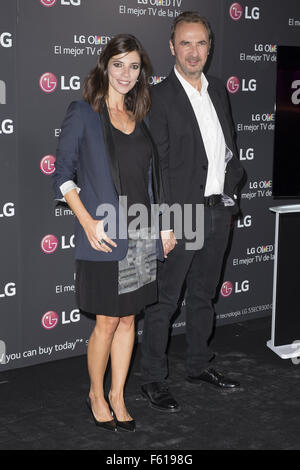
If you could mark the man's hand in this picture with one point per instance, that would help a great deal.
(168, 241)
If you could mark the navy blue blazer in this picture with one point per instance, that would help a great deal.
(86, 154)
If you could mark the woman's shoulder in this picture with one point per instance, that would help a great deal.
(80, 113)
(82, 106)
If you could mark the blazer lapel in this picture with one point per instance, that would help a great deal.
(187, 109)
(110, 148)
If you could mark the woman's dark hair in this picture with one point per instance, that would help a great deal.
(95, 87)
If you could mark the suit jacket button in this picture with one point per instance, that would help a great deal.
(201, 186)
(204, 167)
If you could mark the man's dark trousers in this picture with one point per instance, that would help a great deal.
(201, 270)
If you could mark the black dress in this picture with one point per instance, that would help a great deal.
(120, 288)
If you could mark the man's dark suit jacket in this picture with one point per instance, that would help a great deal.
(175, 130)
(86, 152)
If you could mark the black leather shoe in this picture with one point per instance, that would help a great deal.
(213, 377)
(108, 425)
(124, 425)
(159, 397)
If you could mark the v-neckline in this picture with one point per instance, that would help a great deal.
(124, 133)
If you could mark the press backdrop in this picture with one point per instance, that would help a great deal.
(46, 49)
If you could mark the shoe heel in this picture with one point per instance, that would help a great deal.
(128, 426)
(107, 425)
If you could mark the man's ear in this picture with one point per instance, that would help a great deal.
(172, 47)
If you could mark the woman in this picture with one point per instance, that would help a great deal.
(106, 148)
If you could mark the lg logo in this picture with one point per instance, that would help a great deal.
(7, 126)
(227, 288)
(267, 184)
(246, 154)
(260, 249)
(73, 317)
(6, 40)
(8, 210)
(49, 243)
(296, 94)
(47, 164)
(9, 290)
(51, 319)
(51, 3)
(265, 47)
(48, 3)
(236, 12)
(74, 3)
(244, 222)
(93, 39)
(266, 117)
(48, 83)
(242, 287)
(233, 85)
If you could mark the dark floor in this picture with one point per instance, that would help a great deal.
(42, 407)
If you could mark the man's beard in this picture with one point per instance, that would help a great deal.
(191, 73)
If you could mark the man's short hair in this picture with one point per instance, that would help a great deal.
(190, 17)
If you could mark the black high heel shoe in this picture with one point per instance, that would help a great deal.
(124, 425)
(108, 425)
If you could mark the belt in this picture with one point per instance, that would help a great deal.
(212, 200)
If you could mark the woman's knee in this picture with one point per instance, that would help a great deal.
(106, 325)
(127, 321)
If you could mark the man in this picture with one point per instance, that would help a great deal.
(191, 124)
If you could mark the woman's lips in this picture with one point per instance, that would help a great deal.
(124, 82)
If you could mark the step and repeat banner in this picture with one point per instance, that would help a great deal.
(47, 47)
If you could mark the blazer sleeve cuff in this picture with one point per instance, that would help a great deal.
(65, 188)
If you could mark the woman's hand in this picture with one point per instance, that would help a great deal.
(97, 237)
(168, 241)
(93, 228)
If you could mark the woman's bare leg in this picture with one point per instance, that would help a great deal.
(99, 348)
(121, 352)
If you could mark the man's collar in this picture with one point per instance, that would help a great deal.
(189, 89)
